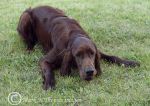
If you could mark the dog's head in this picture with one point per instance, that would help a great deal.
(86, 57)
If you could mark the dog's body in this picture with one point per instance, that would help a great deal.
(65, 43)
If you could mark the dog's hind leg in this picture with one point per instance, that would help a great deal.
(26, 29)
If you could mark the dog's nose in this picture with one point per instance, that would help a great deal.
(89, 72)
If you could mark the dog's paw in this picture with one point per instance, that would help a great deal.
(49, 85)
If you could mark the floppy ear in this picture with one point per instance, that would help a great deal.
(97, 63)
(66, 63)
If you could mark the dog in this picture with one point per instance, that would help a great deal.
(65, 43)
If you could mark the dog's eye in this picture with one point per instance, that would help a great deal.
(79, 55)
(91, 53)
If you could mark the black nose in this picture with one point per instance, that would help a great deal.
(89, 72)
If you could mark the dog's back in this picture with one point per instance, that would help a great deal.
(48, 26)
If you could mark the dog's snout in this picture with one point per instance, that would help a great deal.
(90, 72)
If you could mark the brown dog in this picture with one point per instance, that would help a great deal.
(65, 43)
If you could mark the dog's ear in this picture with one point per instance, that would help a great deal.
(66, 63)
(97, 62)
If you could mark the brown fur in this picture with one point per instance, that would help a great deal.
(65, 43)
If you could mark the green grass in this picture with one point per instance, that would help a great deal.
(119, 27)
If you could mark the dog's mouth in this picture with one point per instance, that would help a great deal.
(88, 78)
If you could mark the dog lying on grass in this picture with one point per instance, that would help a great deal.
(65, 44)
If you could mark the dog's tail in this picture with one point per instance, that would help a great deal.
(119, 61)
(26, 29)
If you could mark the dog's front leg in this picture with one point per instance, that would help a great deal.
(47, 69)
(66, 64)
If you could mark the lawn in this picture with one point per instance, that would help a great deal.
(118, 27)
